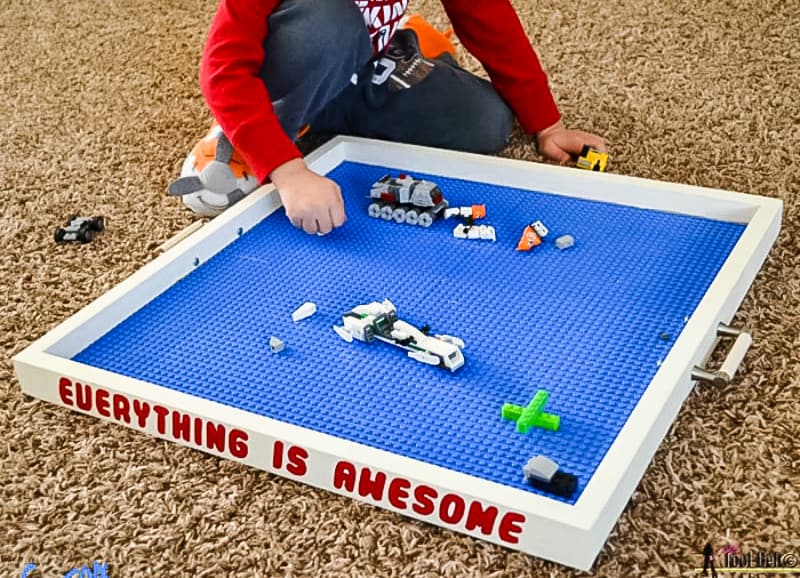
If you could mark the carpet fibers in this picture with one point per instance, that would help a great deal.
(102, 103)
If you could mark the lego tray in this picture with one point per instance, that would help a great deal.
(611, 329)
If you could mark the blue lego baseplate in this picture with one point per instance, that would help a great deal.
(589, 324)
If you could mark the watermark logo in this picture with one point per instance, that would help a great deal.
(97, 570)
(730, 559)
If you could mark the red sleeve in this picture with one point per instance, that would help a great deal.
(492, 32)
(237, 97)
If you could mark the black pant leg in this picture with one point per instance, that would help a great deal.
(437, 104)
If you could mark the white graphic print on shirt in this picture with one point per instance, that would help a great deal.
(381, 18)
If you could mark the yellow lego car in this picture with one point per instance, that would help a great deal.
(592, 159)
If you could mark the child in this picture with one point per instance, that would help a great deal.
(270, 67)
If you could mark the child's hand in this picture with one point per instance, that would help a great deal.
(312, 202)
(561, 145)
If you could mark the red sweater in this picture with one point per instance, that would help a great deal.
(233, 55)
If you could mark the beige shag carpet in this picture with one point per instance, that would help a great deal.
(101, 104)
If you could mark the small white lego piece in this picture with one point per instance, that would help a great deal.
(307, 309)
(470, 212)
(484, 232)
(276, 345)
(452, 212)
(565, 242)
(540, 229)
(487, 232)
(540, 468)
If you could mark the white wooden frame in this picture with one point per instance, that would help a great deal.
(568, 534)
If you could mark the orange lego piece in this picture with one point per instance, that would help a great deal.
(478, 211)
(529, 239)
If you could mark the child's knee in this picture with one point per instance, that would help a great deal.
(489, 128)
(498, 124)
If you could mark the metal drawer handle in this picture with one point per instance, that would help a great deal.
(733, 360)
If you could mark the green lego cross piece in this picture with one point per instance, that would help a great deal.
(532, 414)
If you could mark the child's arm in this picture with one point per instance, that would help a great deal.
(491, 30)
(229, 79)
(238, 99)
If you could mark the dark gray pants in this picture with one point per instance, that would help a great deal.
(314, 49)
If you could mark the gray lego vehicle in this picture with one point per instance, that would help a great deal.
(80, 229)
(404, 199)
